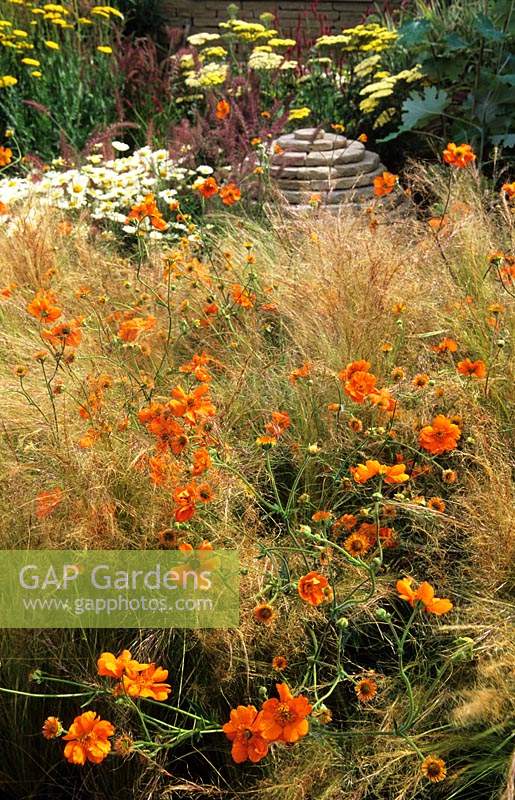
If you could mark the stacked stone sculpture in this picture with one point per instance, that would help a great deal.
(311, 166)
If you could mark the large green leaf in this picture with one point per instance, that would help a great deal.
(454, 42)
(414, 32)
(504, 139)
(418, 109)
(487, 29)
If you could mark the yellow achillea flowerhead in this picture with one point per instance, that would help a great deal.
(298, 113)
(7, 80)
(106, 11)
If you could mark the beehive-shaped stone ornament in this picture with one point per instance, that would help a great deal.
(311, 162)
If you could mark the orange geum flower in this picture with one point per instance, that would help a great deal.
(284, 718)
(355, 425)
(130, 329)
(89, 438)
(204, 493)
(207, 187)
(7, 291)
(159, 421)
(440, 436)
(363, 472)
(66, 334)
(447, 345)
(449, 476)
(458, 155)
(148, 682)
(355, 366)
(321, 516)
(244, 730)
(242, 296)
(396, 474)
(370, 531)
(434, 769)
(366, 690)
(210, 309)
(345, 522)
(264, 613)
(438, 223)
(185, 497)
(47, 502)
(279, 423)
(384, 184)
(111, 666)
(88, 739)
(43, 307)
(509, 189)
(360, 385)
(382, 399)
(387, 536)
(420, 381)
(425, 594)
(6, 155)
(203, 546)
(472, 369)
(266, 442)
(314, 588)
(230, 194)
(223, 109)
(357, 544)
(279, 663)
(52, 728)
(194, 406)
(436, 504)
(201, 461)
(148, 210)
(197, 366)
(300, 372)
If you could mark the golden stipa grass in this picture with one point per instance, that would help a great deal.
(282, 389)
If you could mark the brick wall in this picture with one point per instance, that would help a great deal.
(204, 15)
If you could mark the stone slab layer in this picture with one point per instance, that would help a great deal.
(366, 179)
(330, 141)
(309, 134)
(369, 162)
